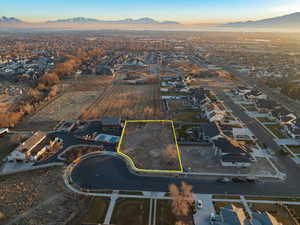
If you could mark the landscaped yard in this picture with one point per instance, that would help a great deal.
(188, 116)
(265, 120)
(275, 129)
(97, 211)
(295, 149)
(131, 211)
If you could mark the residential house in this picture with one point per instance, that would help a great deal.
(282, 115)
(242, 134)
(3, 130)
(214, 112)
(233, 215)
(293, 129)
(266, 105)
(23, 151)
(254, 95)
(111, 123)
(232, 153)
(209, 132)
(242, 90)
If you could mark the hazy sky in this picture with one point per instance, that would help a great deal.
(185, 11)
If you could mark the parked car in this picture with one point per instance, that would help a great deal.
(212, 218)
(199, 204)
(239, 180)
(224, 180)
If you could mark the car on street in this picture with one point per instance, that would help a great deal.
(199, 204)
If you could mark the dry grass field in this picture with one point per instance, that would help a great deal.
(66, 107)
(128, 102)
(151, 145)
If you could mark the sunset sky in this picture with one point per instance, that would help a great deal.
(184, 11)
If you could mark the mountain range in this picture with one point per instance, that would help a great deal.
(144, 20)
(286, 21)
(5, 19)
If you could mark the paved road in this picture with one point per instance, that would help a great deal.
(111, 173)
(283, 100)
(285, 164)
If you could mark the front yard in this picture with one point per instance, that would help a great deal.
(188, 116)
(276, 130)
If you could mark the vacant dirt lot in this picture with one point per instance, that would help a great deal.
(37, 197)
(128, 102)
(151, 145)
(202, 159)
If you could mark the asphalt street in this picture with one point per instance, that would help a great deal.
(105, 172)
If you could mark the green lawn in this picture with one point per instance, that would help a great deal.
(188, 116)
(97, 211)
(264, 120)
(275, 129)
(131, 211)
(295, 149)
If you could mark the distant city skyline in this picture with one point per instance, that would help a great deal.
(189, 11)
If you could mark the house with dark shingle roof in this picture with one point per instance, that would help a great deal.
(293, 129)
(232, 215)
(232, 153)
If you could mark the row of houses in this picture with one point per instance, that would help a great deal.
(272, 110)
(223, 136)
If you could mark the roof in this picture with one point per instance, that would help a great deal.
(210, 129)
(111, 121)
(31, 142)
(233, 215)
(229, 146)
(286, 119)
(266, 104)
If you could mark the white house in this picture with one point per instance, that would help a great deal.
(293, 129)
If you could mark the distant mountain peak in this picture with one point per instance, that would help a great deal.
(144, 20)
(5, 19)
(286, 21)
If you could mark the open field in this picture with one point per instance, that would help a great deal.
(66, 107)
(128, 102)
(85, 83)
(6, 103)
(165, 216)
(188, 116)
(96, 212)
(151, 145)
(38, 197)
(131, 211)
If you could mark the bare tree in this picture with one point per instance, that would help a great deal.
(170, 154)
(181, 199)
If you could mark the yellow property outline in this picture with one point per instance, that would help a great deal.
(149, 121)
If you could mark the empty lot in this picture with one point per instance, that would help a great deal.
(151, 145)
